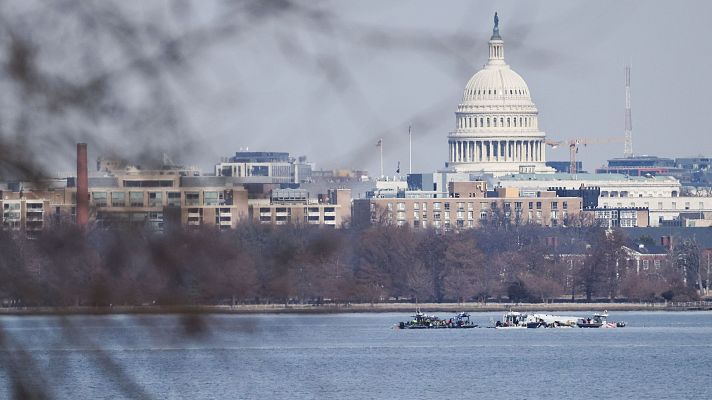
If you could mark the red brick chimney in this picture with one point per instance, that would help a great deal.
(82, 185)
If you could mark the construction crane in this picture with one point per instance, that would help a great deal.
(574, 146)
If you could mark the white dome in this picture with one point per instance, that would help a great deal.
(496, 124)
(496, 83)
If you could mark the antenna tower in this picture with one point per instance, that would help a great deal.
(628, 146)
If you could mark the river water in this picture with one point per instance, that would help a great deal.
(354, 356)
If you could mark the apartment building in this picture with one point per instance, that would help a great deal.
(294, 206)
(469, 205)
(154, 198)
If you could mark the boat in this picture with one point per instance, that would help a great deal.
(513, 320)
(599, 320)
(517, 320)
(423, 321)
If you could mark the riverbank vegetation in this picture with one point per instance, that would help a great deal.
(297, 264)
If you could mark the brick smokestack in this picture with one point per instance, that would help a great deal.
(82, 185)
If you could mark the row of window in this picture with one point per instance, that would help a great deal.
(288, 210)
(625, 193)
(155, 199)
(646, 204)
(401, 206)
(493, 122)
(487, 92)
(460, 215)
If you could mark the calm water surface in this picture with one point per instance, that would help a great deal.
(355, 356)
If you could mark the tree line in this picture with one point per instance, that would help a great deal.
(66, 266)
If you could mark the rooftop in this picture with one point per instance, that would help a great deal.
(584, 177)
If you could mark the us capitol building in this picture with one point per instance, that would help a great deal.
(497, 129)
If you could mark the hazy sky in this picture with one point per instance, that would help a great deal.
(571, 54)
(329, 90)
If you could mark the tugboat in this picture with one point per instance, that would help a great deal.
(599, 321)
(423, 321)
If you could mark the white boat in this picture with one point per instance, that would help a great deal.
(512, 320)
(599, 320)
(518, 320)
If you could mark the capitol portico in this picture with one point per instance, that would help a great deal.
(496, 130)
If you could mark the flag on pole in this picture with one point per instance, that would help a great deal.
(379, 143)
(398, 168)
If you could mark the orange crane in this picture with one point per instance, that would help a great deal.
(574, 145)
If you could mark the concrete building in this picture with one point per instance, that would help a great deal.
(153, 199)
(611, 185)
(496, 124)
(470, 205)
(621, 217)
(641, 166)
(294, 206)
(265, 167)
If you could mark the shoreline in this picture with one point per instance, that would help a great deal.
(356, 308)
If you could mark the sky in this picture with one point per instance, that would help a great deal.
(572, 54)
(328, 87)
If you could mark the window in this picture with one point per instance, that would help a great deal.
(118, 199)
(565, 205)
(99, 199)
(210, 198)
(136, 199)
(531, 205)
(517, 205)
(173, 199)
(447, 206)
(192, 198)
(416, 206)
(425, 206)
(155, 199)
(538, 205)
(436, 206)
(554, 205)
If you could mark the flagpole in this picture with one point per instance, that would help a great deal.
(410, 151)
(381, 147)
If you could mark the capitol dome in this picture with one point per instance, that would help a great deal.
(496, 124)
(499, 84)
